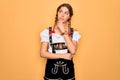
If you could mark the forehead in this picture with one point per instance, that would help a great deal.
(64, 9)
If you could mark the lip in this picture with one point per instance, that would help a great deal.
(61, 18)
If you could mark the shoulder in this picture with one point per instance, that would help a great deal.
(45, 30)
(76, 35)
(44, 35)
(75, 31)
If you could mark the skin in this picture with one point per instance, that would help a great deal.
(61, 27)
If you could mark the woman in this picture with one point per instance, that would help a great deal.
(59, 44)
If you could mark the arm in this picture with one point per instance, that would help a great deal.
(72, 45)
(45, 54)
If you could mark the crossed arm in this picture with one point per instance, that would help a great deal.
(72, 46)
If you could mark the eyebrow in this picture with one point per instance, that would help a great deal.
(65, 11)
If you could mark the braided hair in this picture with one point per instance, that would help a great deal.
(68, 6)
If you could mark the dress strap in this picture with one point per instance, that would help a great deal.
(50, 39)
(71, 34)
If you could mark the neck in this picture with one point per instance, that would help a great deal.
(65, 24)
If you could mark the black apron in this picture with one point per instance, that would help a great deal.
(59, 69)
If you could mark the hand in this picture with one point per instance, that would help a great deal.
(67, 56)
(60, 26)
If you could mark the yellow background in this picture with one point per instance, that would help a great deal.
(21, 21)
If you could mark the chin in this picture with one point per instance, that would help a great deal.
(64, 21)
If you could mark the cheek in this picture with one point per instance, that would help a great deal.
(58, 15)
(67, 17)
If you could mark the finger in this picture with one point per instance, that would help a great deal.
(60, 21)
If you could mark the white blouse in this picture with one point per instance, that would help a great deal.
(56, 38)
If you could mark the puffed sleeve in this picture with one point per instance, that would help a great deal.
(44, 35)
(76, 36)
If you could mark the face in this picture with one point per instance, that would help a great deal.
(63, 14)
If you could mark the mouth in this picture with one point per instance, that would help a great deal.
(61, 19)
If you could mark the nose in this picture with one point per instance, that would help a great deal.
(62, 14)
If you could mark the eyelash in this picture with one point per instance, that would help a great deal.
(61, 11)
